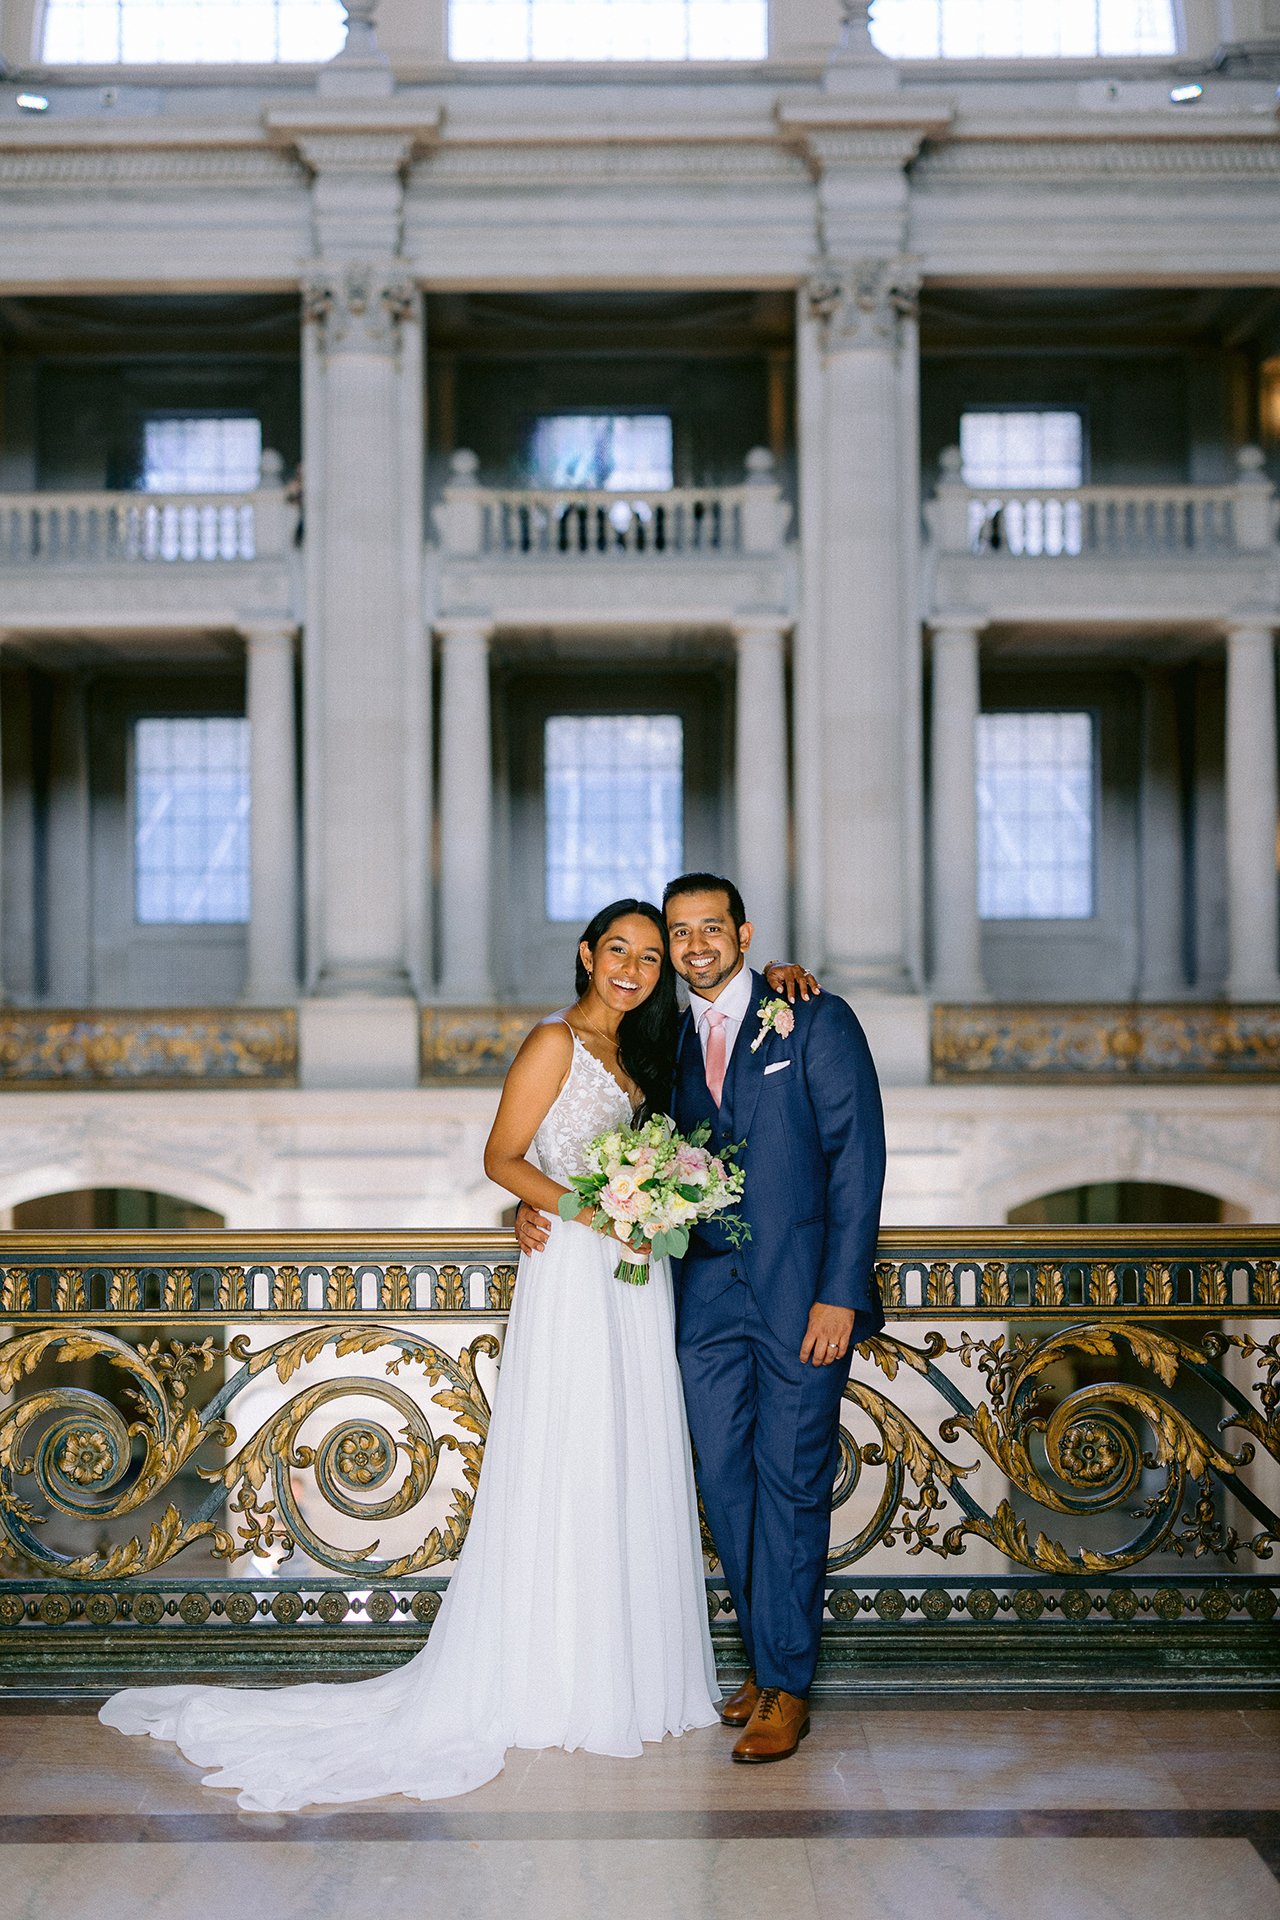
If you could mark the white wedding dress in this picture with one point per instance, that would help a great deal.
(576, 1615)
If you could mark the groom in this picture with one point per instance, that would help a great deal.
(765, 1330)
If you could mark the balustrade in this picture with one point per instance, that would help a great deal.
(1060, 1459)
(1105, 522)
(575, 523)
(101, 528)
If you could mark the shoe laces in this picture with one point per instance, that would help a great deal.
(768, 1703)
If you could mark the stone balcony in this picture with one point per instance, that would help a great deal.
(535, 555)
(110, 561)
(1186, 554)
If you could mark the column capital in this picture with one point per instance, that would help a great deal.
(944, 627)
(359, 307)
(1258, 629)
(862, 303)
(268, 633)
(760, 629)
(463, 629)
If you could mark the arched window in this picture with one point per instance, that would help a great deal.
(152, 32)
(1128, 1203)
(112, 1208)
(1022, 29)
(608, 29)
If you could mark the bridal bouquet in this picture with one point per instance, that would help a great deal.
(651, 1184)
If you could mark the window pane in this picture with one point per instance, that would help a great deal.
(614, 809)
(1012, 29)
(1035, 816)
(614, 451)
(191, 820)
(608, 29)
(157, 31)
(1026, 447)
(204, 455)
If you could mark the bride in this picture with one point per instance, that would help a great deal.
(576, 1615)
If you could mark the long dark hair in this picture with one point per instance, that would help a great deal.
(647, 1035)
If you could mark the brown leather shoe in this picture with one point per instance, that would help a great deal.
(739, 1707)
(776, 1728)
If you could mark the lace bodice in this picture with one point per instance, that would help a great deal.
(588, 1104)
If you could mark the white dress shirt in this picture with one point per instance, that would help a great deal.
(734, 1003)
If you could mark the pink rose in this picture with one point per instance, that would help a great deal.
(690, 1164)
(621, 1199)
(785, 1022)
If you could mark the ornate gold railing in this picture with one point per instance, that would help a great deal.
(1061, 1458)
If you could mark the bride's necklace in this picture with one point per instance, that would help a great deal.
(598, 1032)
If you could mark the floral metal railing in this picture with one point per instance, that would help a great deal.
(1065, 1438)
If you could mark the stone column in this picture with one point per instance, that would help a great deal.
(957, 931)
(359, 737)
(862, 678)
(68, 890)
(1251, 813)
(3, 922)
(466, 811)
(1161, 972)
(806, 642)
(271, 976)
(760, 784)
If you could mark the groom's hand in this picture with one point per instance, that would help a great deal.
(827, 1336)
(532, 1228)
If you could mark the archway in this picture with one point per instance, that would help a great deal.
(86, 1208)
(1138, 1203)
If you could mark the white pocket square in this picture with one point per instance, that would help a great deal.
(776, 1066)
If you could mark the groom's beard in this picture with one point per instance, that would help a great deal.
(708, 982)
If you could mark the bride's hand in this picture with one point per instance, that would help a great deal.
(787, 976)
(532, 1228)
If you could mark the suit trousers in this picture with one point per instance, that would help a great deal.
(766, 1432)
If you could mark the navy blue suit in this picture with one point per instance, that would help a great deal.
(765, 1427)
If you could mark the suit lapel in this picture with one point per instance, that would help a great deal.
(746, 1069)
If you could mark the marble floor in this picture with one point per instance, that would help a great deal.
(909, 1811)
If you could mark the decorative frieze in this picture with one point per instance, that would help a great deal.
(472, 1043)
(1097, 1042)
(205, 1047)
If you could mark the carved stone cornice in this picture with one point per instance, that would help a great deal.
(149, 166)
(359, 307)
(846, 133)
(862, 303)
(1139, 158)
(875, 147)
(584, 163)
(364, 152)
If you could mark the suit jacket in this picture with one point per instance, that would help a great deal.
(808, 1109)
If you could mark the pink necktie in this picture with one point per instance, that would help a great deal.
(716, 1053)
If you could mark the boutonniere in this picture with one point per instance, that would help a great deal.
(775, 1016)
